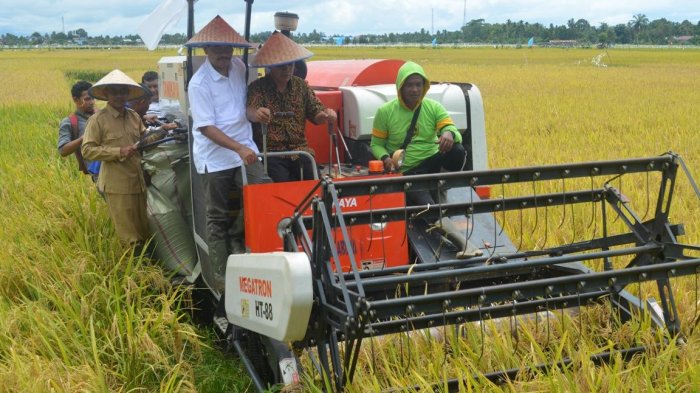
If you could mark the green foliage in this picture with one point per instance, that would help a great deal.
(79, 313)
(91, 76)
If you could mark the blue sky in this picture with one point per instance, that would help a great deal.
(350, 17)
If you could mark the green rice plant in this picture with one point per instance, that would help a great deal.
(85, 75)
(78, 312)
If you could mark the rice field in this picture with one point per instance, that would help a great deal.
(80, 313)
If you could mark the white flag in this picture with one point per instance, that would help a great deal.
(166, 14)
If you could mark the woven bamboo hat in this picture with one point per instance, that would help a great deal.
(279, 50)
(116, 79)
(217, 33)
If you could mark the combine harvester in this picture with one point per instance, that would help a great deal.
(340, 261)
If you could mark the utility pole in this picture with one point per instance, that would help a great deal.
(432, 21)
(63, 25)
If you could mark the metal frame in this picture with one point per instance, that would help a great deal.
(358, 304)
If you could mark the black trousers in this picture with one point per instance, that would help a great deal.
(224, 205)
(453, 161)
(282, 169)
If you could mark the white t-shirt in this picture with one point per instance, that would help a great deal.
(154, 109)
(216, 100)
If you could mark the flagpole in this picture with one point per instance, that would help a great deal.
(248, 12)
(190, 33)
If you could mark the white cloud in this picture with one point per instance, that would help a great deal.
(112, 17)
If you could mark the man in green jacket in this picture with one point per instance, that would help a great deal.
(422, 129)
(434, 143)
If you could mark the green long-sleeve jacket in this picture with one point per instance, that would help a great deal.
(392, 120)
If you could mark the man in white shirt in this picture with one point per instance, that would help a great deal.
(223, 141)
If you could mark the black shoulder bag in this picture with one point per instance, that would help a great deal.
(411, 128)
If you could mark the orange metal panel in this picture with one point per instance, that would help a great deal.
(331, 74)
(265, 205)
(317, 135)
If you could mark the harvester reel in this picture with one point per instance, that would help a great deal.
(507, 281)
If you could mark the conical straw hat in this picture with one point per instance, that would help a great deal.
(116, 78)
(217, 33)
(279, 50)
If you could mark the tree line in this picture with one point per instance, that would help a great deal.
(639, 30)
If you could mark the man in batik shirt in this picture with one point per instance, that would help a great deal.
(284, 102)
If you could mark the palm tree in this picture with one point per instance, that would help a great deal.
(637, 23)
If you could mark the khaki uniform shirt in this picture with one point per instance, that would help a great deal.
(105, 133)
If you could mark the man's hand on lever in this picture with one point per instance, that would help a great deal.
(263, 115)
(247, 155)
(327, 115)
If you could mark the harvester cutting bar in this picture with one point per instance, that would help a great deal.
(502, 376)
(473, 272)
(553, 289)
(519, 282)
(611, 241)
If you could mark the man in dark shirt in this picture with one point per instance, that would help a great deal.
(150, 79)
(72, 127)
(284, 102)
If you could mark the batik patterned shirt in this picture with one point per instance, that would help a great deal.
(290, 109)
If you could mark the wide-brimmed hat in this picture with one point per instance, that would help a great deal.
(279, 50)
(116, 78)
(217, 33)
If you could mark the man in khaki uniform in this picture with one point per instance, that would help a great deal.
(112, 136)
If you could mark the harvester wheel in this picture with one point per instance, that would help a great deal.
(258, 355)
